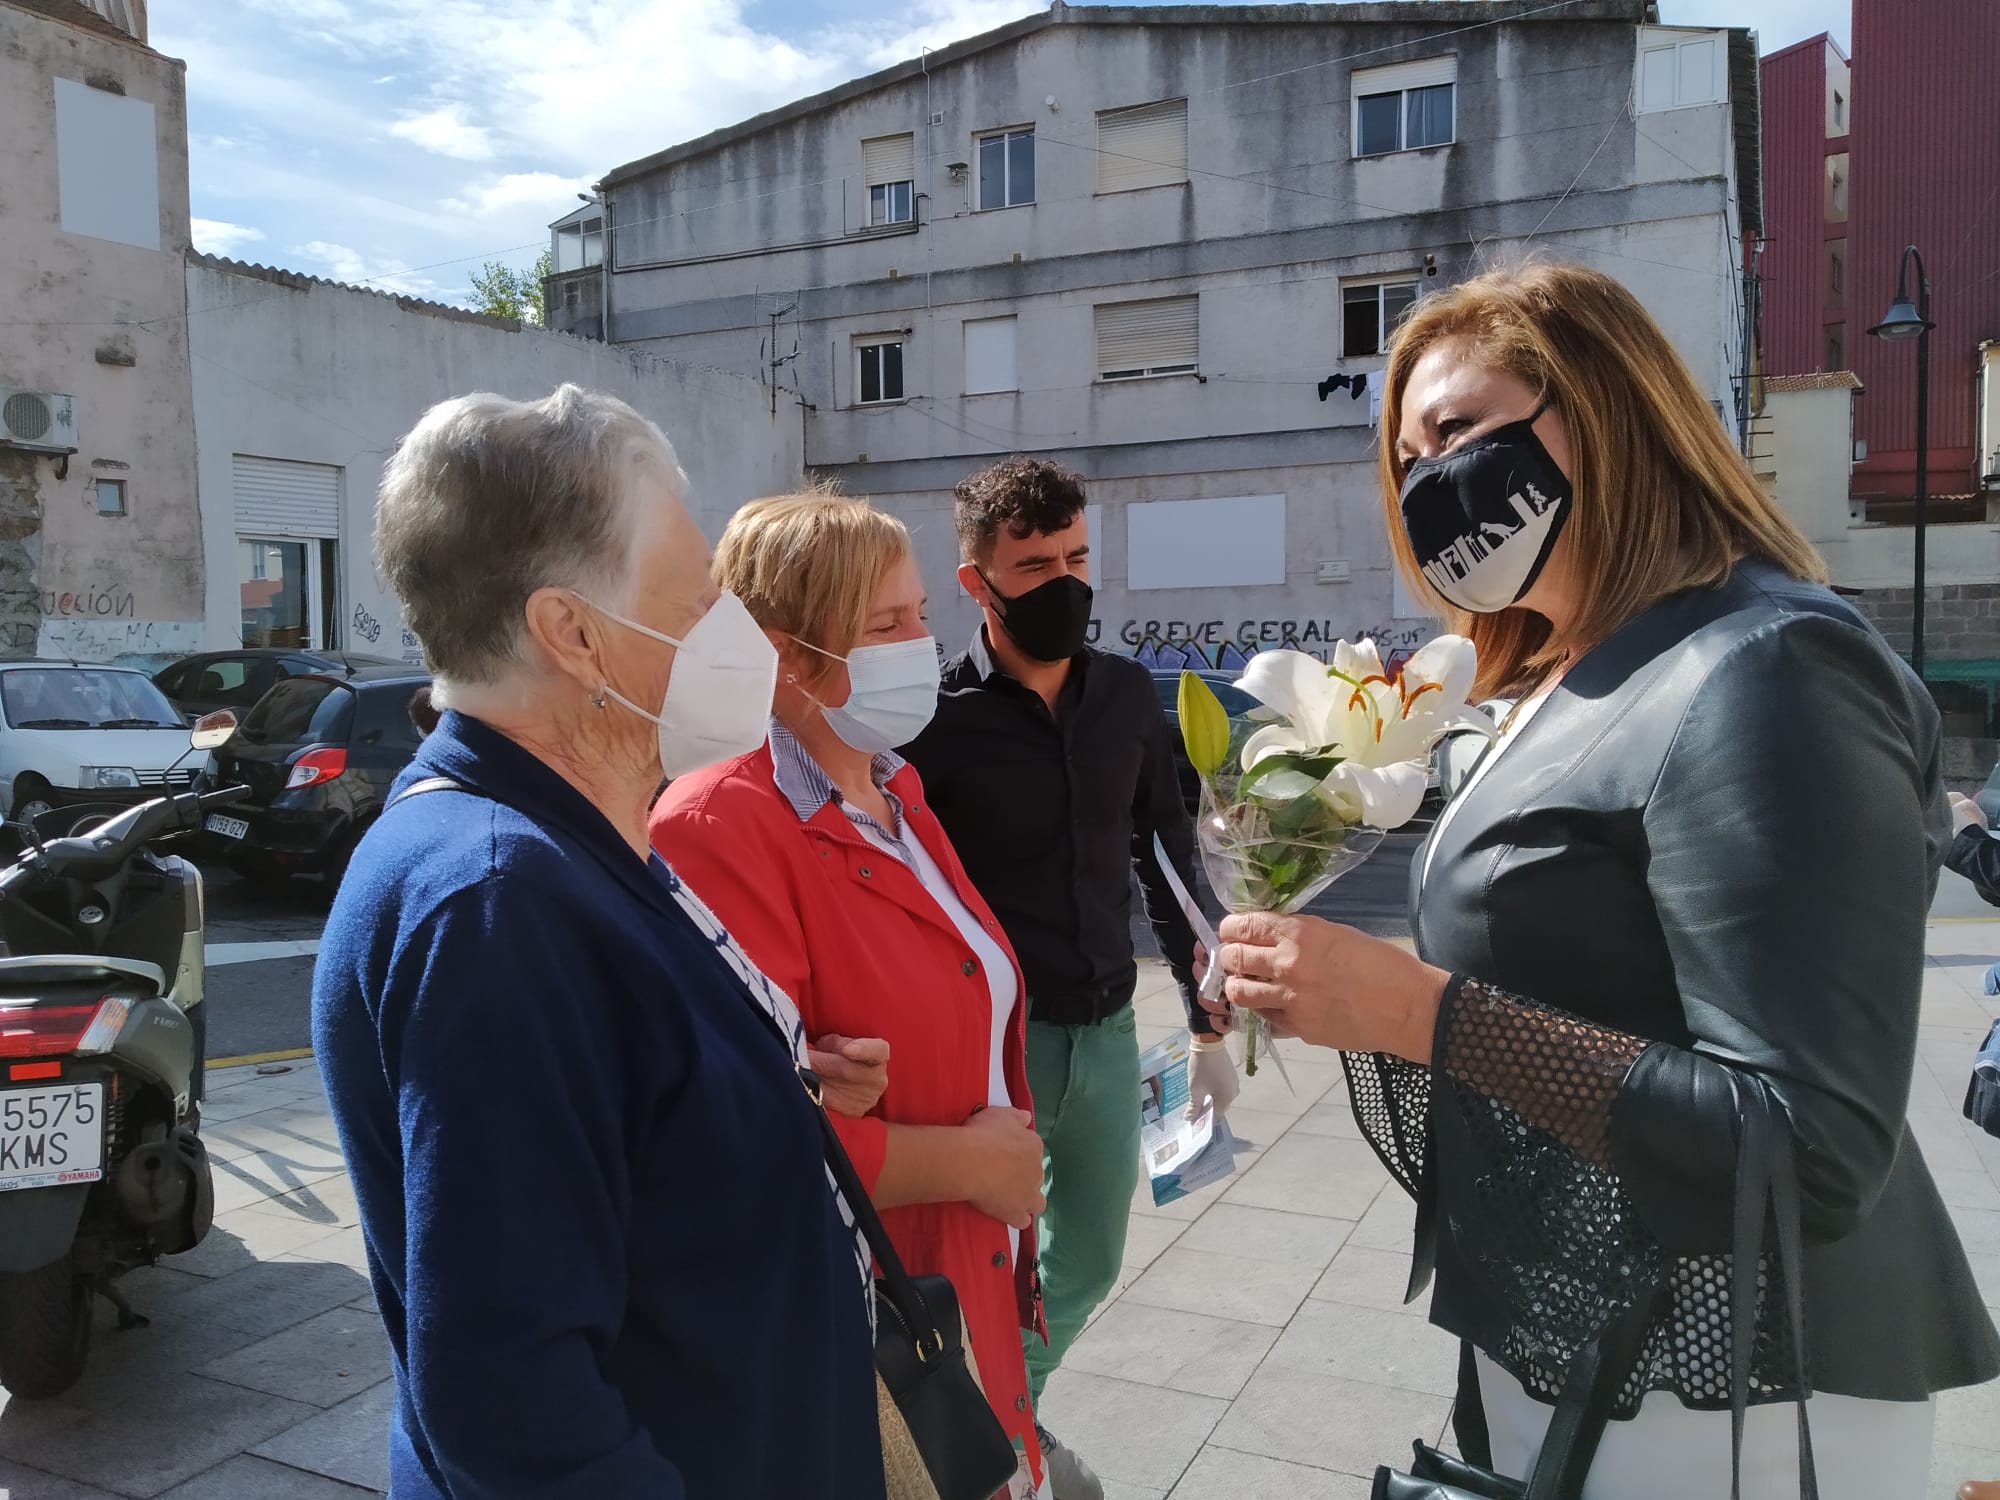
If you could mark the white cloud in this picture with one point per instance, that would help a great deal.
(387, 274)
(218, 237)
(446, 132)
(545, 195)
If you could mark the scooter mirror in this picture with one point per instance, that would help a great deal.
(212, 731)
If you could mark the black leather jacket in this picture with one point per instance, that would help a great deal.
(1710, 853)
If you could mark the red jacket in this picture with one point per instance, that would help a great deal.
(850, 933)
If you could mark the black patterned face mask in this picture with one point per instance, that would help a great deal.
(1483, 519)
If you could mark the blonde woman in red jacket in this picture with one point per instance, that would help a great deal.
(818, 853)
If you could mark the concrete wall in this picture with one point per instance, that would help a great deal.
(311, 372)
(1276, 214)
(101, 320)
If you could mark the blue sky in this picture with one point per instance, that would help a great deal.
(402, 142)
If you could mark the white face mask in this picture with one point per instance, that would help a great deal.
(892, 694)
(718, 702)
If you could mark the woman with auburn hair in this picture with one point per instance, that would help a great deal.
(819, 854)
(1683, 891)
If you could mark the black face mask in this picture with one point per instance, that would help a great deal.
(1048, 621)
(1483, 519)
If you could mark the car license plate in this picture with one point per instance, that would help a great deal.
(51, 1136)
(229, 828)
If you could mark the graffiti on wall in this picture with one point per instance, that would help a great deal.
(101, 601)
(366, 625)
(413, 650)
(1226, 646)
(141, 643)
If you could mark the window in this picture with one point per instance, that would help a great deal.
(879, 363)
(1007, 168)
(1136, 339)
(1405, 107)
(1142, 147)
(226, 682)
(991, 356)
(85, 698)
(1839, 112)
(1836, 273)
(889, 166)
(302, 711)
(1681, 68)
(580, 245)
(1836, 346)
(107, 165)
(110, 496)
(1370, 312)
(1836, 189)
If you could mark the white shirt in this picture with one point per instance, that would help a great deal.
(1002, 984)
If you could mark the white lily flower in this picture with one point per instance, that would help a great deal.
(1381, 730)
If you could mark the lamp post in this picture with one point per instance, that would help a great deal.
(1907, 320)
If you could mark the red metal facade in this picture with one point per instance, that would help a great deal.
(1926, 171)
(1792, 263)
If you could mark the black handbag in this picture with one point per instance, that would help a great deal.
(1982, 1094)
(919, 1352)
(1766, 1186)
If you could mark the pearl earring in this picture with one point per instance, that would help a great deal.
(597, 698)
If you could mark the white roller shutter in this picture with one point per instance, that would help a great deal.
(276, 497)
(1426, 72)
(1139, 338)
(889, 158)
(1142, 147)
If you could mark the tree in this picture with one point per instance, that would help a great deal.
(504, 292)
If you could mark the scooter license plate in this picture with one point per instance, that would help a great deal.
(50, 1136)
(229, 828)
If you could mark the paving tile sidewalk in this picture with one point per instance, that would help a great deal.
(1257, 1347)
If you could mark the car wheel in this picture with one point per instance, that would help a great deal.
(31, 799)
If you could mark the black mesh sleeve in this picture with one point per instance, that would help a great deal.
(1510, 1132)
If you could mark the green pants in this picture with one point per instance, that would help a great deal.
(1085, 1082)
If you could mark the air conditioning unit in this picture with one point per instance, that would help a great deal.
(40, 421)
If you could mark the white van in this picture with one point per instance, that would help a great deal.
(72, 733)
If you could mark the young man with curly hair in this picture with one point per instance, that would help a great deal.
(1050, 767)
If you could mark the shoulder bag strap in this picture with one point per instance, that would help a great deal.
(1589, 1392)
(418, 788)
(894, 1282)
(1767, 1185)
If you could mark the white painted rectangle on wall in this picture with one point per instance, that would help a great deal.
(1191, 544)
(992, 351)
(107, 165)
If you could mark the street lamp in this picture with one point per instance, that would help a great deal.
(1912, 320)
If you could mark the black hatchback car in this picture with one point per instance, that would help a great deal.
(236, 679)
(318, 753)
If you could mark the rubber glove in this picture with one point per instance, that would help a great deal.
(1211, 1075)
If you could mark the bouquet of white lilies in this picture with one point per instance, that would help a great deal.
(1303, 790)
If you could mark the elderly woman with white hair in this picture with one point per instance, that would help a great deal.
(552, 1071)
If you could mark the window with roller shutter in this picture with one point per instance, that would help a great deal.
(889, 168)
(276, 497)
(1137, 339)
(1142, 147)
(1405, 106)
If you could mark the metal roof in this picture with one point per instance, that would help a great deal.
(1833, 380)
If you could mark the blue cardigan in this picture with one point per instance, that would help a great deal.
(592, 1191)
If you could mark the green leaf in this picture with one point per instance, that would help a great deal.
(1312, 767)
(1204, 726)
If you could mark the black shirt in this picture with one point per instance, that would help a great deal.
(1051, 813)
